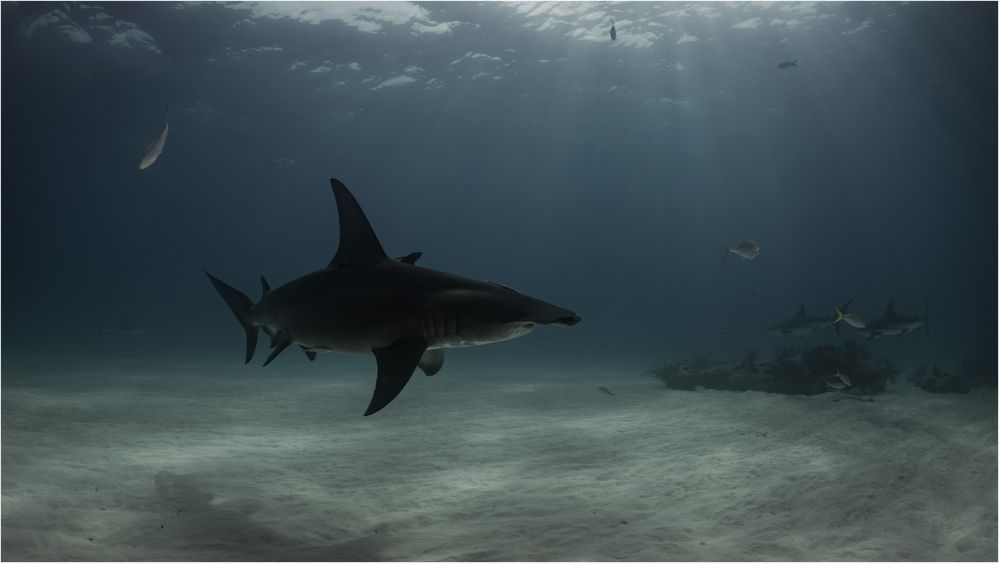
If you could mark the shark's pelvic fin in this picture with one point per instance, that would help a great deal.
(396, 364)
(309, 354)
(281, 341)
(240, 306)
(270, 333)
(358, 243)
(432, 361)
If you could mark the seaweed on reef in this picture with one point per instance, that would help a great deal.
(698, 362)
(675, 376)
(979, 370)
(941, 381)
(749, 361)
(816, 372)
(783, 352)
(918, 375)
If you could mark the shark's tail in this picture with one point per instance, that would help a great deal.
(241, 306)
(841, 313)
(794, 62)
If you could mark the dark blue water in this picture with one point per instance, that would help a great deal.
(507, 143)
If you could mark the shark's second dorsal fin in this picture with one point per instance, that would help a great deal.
(358, 243)
(801, 311)
(890, 311)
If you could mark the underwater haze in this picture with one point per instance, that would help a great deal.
(854, 143)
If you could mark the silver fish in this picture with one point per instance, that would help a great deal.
(745, 249)
(155, 148)
(851, 319)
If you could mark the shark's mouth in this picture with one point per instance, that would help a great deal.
(567, 320)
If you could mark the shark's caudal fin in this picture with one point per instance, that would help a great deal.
(794, 62)
(241, 306)
(358, 243)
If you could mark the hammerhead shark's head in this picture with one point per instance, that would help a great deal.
(892, 324)
(803, 324)
(364, 302)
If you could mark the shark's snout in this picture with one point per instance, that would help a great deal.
(567, 320)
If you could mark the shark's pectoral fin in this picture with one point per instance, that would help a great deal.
(270, 333)
(280, 341)
(432, 361)
(396, 364)
(309, 354)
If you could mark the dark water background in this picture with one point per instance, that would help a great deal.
(601, 176)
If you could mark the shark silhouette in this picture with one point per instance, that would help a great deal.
(364, 302)
(892, 324)
(803, 324)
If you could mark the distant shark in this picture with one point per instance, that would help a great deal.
(363, 302)
(802, 324)
(892, 324)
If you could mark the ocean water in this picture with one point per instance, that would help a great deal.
(516, 143)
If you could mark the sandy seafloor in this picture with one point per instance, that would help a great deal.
(233, 462)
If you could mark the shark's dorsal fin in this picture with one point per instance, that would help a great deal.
(358, 243)
(801, 311)
(265, 287)
(890, 311)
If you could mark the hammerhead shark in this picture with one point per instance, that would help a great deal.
(892, 324)
(803, 324)
(364, 302)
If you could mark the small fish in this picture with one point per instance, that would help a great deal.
(843, 378)
(613, 32)
(837, 385)
(803, 324)
(745, 249)
(156, 147)
(851, 319)
(124, 329)
(606, 391)
(788, 64)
